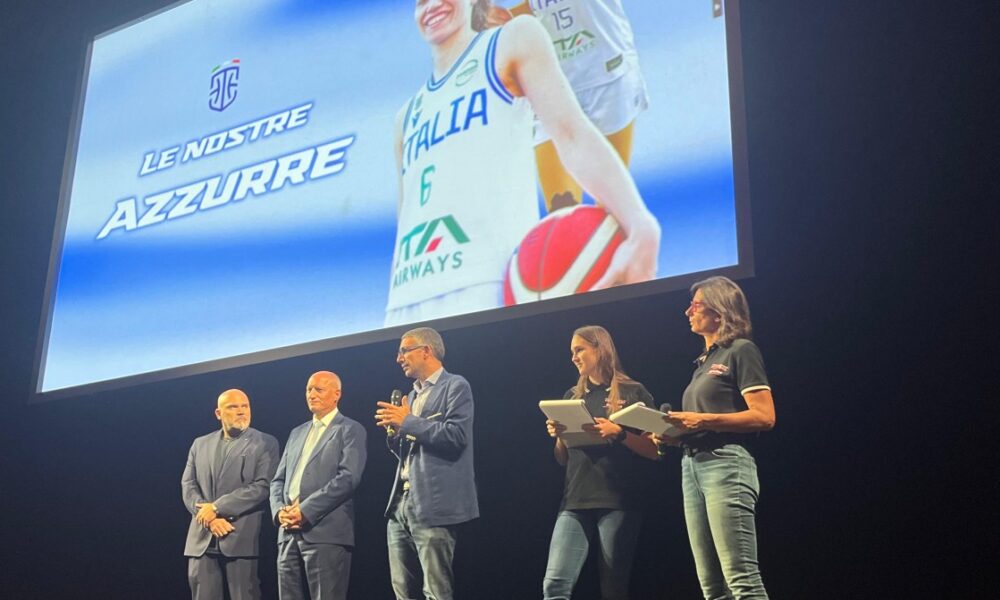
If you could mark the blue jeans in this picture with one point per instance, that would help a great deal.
(617, 532)
(419, 553)
(720, 499)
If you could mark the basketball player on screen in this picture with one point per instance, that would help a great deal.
(465, 156)
(596, 50)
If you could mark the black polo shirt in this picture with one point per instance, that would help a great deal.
(609, 475)
(721, 376)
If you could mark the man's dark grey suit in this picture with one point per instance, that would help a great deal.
(239, 490)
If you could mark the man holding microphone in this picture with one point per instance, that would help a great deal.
(435, 485)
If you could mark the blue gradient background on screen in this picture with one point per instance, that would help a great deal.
(312, 261)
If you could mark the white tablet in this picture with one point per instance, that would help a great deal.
(572, 414)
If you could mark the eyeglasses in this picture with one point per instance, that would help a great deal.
(695, 306)
(408, 349)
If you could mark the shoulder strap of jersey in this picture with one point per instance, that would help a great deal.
(491, 69)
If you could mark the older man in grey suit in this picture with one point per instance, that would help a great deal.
(312, 497)
(225, 487)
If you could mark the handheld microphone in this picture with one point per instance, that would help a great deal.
(395, 399)
(661, 448)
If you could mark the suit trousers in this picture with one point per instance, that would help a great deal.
(309, 571)
(210, 574)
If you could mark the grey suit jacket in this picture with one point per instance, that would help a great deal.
(328, 482)
(239, 490)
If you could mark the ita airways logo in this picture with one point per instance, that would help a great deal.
(223, 85)
(576, 44)
(428, 236)
(430, 248)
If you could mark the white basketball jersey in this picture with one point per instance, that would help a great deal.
(468, 180)
(592, 38)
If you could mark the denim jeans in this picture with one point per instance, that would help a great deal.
(720, 499)
(418, 553)
(617, 532)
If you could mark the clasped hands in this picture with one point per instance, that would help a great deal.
(390, 415)
(208, 518)
(290, 517)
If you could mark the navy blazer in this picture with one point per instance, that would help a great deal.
(239, 492)
(439, 442)
(328, 481)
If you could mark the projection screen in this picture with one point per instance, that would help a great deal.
(233, 179)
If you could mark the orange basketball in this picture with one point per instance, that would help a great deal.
(565, 253)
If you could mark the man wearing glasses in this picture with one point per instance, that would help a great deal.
(435, 486)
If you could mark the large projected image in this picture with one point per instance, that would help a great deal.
(259, 174)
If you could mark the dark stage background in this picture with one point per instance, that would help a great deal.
(872, 149)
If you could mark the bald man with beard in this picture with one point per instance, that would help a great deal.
(312, 497)
(225, 488)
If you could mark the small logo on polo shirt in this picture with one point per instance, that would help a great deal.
(718, 369)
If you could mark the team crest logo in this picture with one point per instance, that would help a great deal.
(223, 85)
(466, 72)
